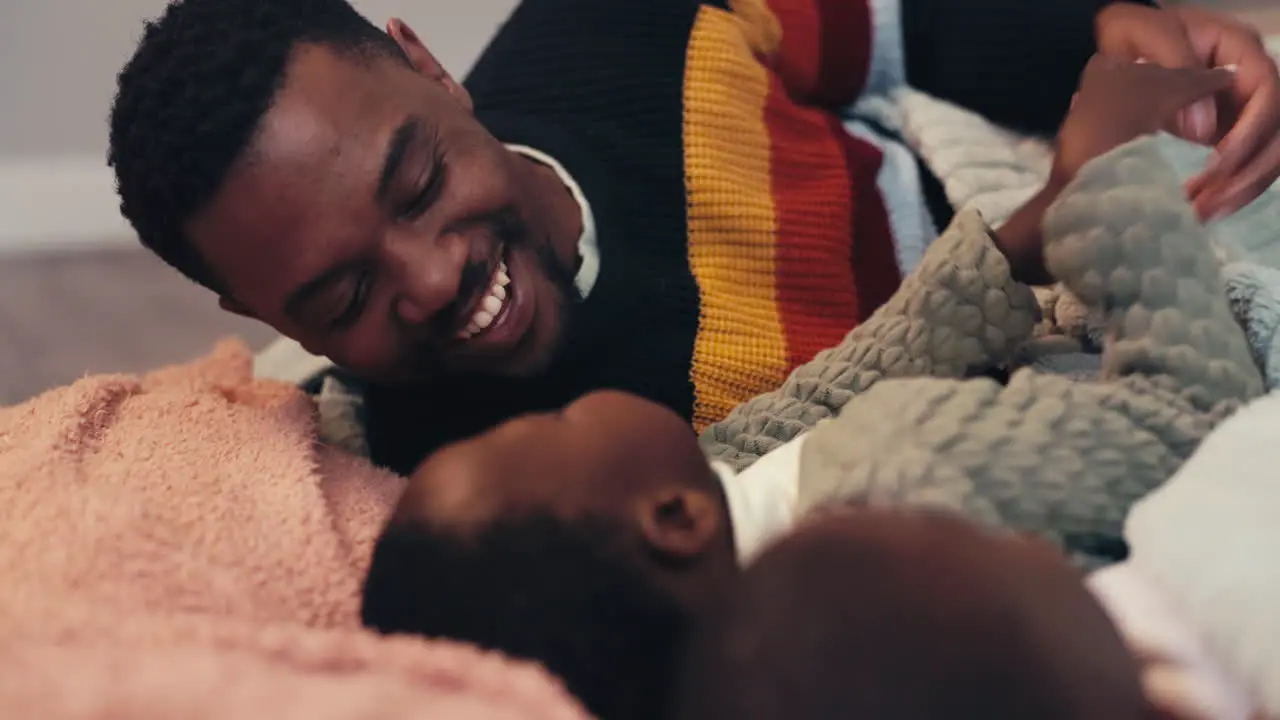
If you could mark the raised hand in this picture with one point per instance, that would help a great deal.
(1120, 100)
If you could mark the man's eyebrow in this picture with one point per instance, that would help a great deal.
(397, 150)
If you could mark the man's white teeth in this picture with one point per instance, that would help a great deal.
(490, 305)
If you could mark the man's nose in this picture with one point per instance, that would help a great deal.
(427, 272)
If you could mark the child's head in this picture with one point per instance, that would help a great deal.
(908, 617)
(582, 538)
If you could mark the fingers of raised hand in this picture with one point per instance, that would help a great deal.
(1247, 157)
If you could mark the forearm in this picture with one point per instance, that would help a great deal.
(960, 310)
(1016, 62)
(1021, 237)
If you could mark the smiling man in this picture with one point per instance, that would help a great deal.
(683, 198)
(373, 218)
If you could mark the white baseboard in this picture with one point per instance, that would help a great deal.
(56, 204)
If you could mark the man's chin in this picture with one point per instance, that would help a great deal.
(516, 366)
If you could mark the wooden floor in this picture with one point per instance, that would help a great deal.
(67, 315)
(64, 316)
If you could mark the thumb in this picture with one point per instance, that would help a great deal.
(1197, 122)
(1169, 45)
(1187, 85)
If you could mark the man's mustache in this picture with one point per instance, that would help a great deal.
(508, 229)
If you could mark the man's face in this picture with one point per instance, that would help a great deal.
(376, 222)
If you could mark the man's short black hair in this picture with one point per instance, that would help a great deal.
(190, 101)
(565, 594)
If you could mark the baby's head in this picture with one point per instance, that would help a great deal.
(584, 539)
(908, 616)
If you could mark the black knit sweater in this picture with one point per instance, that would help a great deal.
(644, 104)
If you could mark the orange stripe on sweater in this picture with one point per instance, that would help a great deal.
(740, 348)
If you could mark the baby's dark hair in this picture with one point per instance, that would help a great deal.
(192, 97)
(829, 628)
(565, 594)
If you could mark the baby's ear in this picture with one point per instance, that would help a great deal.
(679, 523)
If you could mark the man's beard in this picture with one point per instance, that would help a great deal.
(568, 298)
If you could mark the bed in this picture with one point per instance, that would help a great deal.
(120, 601)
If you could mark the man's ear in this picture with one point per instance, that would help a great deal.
(424, 62)
(233, 306)
(680, 524)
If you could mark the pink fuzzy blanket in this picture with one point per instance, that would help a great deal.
(179, 546)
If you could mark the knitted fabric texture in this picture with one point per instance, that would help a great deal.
(1254, 293)
(988, 168)
(739, 226)
(1046, 454)
(777, 189)
(959, 310)
(991, 170)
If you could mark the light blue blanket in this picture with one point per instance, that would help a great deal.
(1250, 244)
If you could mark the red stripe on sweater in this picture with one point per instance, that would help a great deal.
(825, 53)
(798, 59)
(845, 51)
(812, 175)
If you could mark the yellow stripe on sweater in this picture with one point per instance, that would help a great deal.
(740, 348)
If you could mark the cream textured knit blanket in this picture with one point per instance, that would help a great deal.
(1044, 453)
(986, 168)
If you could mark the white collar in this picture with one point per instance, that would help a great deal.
(588, 245)
(762, 499)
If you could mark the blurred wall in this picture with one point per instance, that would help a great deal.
(58, 61)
